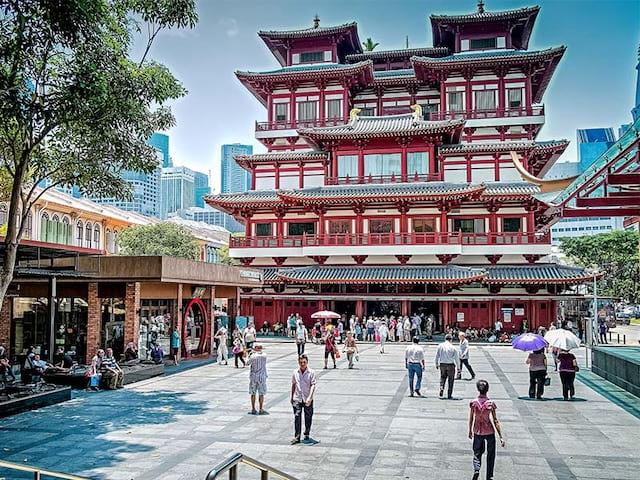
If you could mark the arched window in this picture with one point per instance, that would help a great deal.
(28, 226)
(109, 240)
(87, 235)
(79, 233)
(96, 236)
(67, 232)
(3, 214)
(116, 247)
(44, 224)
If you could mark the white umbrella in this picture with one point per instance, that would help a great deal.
(562, 339)
(325, 314)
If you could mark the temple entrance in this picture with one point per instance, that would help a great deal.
(195, 329)
(428, 308)
(346, 308)
(383, 307)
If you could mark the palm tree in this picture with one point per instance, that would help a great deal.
(369, 45)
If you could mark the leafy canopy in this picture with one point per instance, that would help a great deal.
(168, 239)
(616, 256)
(369, 45)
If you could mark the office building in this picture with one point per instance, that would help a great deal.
(177, 190)
(201, 188)
(233, 177)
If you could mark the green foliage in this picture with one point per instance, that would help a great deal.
(616, 255)
(224, 257)
(168, 239)
(369, 45)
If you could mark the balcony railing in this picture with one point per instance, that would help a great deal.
(365, 239)
(411, 178)
(533, 111)
(279, 125)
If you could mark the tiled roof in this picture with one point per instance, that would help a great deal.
(307, 32)
(406, 72)
(503, 146)
(404, 52)
(476, 17)
(308, 68)
(493, 56)
(251, 197)
(389, 125)
(550, 273)
(372, 192)
(383, 274)
(282, 157)
(508, 189)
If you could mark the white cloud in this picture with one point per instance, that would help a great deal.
(230, 26)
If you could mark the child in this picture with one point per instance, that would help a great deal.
(481, 430)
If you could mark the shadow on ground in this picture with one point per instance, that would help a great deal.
(91, 432)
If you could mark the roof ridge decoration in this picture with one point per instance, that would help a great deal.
(490, 55)
(545, 185)
(483, 15)
(396, 52)
(311, 30)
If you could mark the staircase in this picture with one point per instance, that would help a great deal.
(231, 464)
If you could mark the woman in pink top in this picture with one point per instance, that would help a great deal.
(481, 430)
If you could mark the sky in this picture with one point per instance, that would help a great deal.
(594, 85)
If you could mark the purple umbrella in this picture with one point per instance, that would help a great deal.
(528, 342)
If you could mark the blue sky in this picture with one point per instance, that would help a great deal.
(593, 86)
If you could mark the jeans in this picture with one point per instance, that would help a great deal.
(567, 379)
(465, 362)
(414, 369)
(298, 407)
(300, 346)
(447, 373)
(536, 383)
(478, 451)
(238, 356)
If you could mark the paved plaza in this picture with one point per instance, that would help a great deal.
(179, 426)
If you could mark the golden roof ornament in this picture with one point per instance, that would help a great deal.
(553, 185)
(354, 115)
(417, 112)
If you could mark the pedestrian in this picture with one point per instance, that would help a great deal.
(448, 361)
(383, 333)
(301, 337)
(414, 363)
(498, 327)
(554, 353)
(431, 320)
(249, 336)
(399, 330)
(223, 348)
(329, 348)
(463, 353)
(568, 366)
(238, 351)
(406, 327)
(175, 346)
(482, 431)
(257, 378)
(537, 362)
(370, 329)
(291, 325)
(358, 330)
(603, 331)
(351, 348)
(303, 386)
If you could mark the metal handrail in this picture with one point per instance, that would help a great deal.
(231, 465)
(39, 472)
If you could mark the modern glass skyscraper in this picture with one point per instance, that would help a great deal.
(177, 190)
(160, 142)
(234, 178)
(201, 188)
(593, 142)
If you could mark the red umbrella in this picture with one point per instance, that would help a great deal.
(326, 314)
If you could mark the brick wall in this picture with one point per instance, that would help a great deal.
(131, 312)
(5, 322)
(93, 320)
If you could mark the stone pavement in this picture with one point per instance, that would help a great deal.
(178, 427)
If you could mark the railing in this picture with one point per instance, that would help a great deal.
(230, 465)
(366, 239)
(38, 473)
(410, 178)
(279, 125)
(532, 111)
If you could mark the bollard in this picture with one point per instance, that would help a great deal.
(618, 338)
(624, 338)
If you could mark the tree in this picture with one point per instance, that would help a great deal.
(75, 109)
(167, 238)
(616, 256)
(369, 45)
(224, 257)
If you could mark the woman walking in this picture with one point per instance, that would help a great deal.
(537, 362)
(383, 334)
(238, 351)
(351, 348)
(568, 366)
(330, 348)
(482, 431)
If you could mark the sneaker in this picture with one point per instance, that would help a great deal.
(441, 393)
(418, 393)
(295, 441)
(476, 475)
(306, 437)
(411, 394)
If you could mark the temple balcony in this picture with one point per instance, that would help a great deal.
(359, 180)
(388, 243)
(287, 128)
(482, 118)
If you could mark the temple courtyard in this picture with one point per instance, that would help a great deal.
(179, 426)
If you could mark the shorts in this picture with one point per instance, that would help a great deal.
(329, 352)
(370, 331)
(258, 386)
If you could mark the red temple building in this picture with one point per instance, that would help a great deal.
(389, 187)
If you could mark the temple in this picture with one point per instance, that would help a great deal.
(389, 185)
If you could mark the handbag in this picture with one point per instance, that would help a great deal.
(547, 381)
(337, 353)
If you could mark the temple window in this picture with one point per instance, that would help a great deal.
(455, 101)
(428, 109)
(514, 97)
(310, 57)
(367, 111)
(417, 162)
(348, 166)
(485, 100)
(512, 224)
(264, 229)
(307, 111)
(483, 43)
(281, 112)
(334, 109)
(468, 225)
(339, 226)
(424, 225)
(384, 164)
(381, 226)
(301, 228)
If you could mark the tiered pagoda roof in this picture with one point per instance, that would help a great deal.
(543, 274)
(399, 54)
(384, 127)
(249, 161)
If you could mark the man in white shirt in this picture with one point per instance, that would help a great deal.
(448, 361)
(249, 336)
(498, 327)
(463, 353)
(303, 387)
(301, 337)
(383, 333)
(223, 348)
(414, 363)
(257, 378)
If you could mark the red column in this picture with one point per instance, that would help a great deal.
(468, 99)
(269, 108)
(403, 162)
(292, 106)
(280, 227)
(379, 94)
(345, 101)
(361, 172)
(405, 310)
(5, 322)
(321, 304)
(443, 99)
(321, 222)
(277, 179)
(501, 92)
(359, 308)
(253, 179)
(93, 319)
(527, 93)
(321, 110)
(445, 309)
(300, 175)
(432, 158)
(468, 160)
(132, 312)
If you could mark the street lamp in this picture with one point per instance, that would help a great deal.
(592, 332)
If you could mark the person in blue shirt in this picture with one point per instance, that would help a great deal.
(175, 346)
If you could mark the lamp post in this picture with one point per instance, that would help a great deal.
(592, 332)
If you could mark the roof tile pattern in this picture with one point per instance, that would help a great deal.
(283, 157)
(495, 56)
(308, 32)
(485, 16)
(400, 53)
(532, 274)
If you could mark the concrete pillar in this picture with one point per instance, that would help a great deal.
(177, 319)
(93, 319)
(213, 326)
(132, 312)
(5, 322)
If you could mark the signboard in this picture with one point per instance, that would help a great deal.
(519, 311)
(241, 322)
(506, 316)
(460, 317)
(251, 275)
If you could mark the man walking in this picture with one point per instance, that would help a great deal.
(463, 353)
(303, 386)
(223, 348)
(257, 378)
(498, 328)
(414, 363)
(448, 361)
(301, 337)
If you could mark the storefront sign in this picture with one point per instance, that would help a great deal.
(519, 311)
